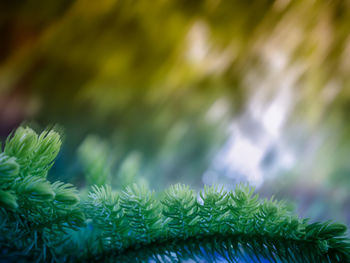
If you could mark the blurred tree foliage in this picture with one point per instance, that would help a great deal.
(144, 74)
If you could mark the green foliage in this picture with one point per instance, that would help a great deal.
(142, 213)
(104, 209)
(154, 93)
(128, 172)
(35, 154)
(65, 193)
(233, 225)
(8, 200)
(9, 169)
(45, 221)
(94, 154)
(180, 209)
(214, 209)
(34, 213)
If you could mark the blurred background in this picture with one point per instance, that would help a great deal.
(197, 92)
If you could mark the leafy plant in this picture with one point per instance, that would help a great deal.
(45, 221)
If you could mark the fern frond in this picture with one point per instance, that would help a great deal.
(128, 171)
(180, 209)
(34, 212)
(213, 209)
(65, 194)
(45, 221)
(8, 200)
(21, 145)
(9, 170)
(35, 154)
(233, 226)
(34, 189)
(104, 196)
(103, 208)
(142, 213)
(93, 155)
(47, 147)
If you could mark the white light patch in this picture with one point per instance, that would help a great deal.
(277, 112)
(239, 157)
(198, 43)
(218, 110)
(245, 158)
(273, 119)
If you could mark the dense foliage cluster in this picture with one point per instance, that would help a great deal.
(45, 221)
(34, 212)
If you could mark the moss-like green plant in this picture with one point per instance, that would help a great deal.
(45, 221)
